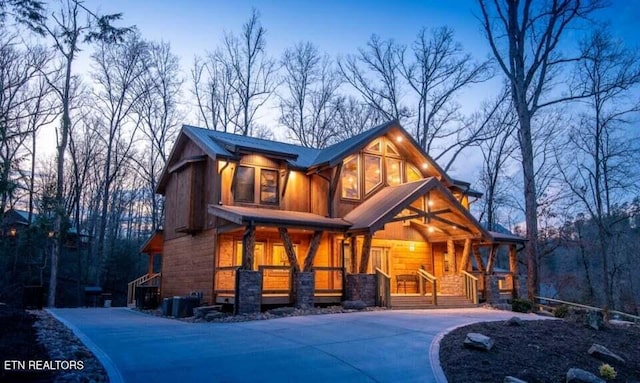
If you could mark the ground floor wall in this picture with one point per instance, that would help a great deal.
(188, 264)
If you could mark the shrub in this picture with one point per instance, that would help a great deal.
(561, 311)
(608, 372)
(521, 305)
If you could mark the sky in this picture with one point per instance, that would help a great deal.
(339, 28)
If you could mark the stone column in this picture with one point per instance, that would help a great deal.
(492, 289)
(304, 289)
(361, 287)
(248, 292)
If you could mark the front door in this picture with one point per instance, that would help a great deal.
(379, 259)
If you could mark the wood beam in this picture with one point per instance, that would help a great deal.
(150, 264)
(476, 255)
(446, 221)
(288, 249)
(366, 251)
(248, 247)
(464, 263)
(313, 250)
(513, 268)
(493, 253)
(333, 186)
(285, 174)
(354, 253)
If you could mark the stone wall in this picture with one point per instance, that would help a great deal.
(492, 289)
(450, 285)
(304, 289)
(248, 292)
(361, 287)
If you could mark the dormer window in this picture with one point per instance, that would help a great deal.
(268, 186)
(245, 184)
(351, 177)
(246, 187)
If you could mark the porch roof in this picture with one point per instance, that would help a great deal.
(281, 218)
(506, 238)
(155, 243)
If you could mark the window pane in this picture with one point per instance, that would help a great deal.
(350, 178)
(391, 149)
(372, 172)
(413, 174)
(269, 186)
(394, 171)
(258, 255)
(244, 186)
(375, 147)
(280, 255)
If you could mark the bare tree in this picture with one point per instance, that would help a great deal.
(524, 38)
(437, 69)
(118, 73)
(254, 72)
(354, 116)
(602, 167)
(159, 116)
(308, 108)
(72, 25)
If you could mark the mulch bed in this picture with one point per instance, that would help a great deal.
(537, 351)
(18, 341)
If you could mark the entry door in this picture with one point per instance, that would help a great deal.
(379, 259)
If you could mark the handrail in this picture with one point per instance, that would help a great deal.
(131, 286)
(470, 286)
(424, 275)
(383, 289)
(635, 317)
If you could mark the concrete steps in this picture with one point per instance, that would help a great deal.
(409, 302)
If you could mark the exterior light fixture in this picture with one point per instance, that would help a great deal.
(431, 229)
(425, 165)
(430, 203)
(399, 139)
(412, 247)
(13, 232)
(51, 234)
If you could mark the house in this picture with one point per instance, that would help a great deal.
(16, 222)
(251, 222)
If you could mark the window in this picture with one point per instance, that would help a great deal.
(391, 149)
(394, 171)
(375, 147)
(372, 172)
(244, 185)
(413, 174)
(259, 255)
(268, 186)
(351, 177)
(280, 255)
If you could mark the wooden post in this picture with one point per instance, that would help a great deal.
(248, 247)
(479, 262)
(354, 254)
(150, 264)
(366, 250)
(465, 255)
(451, 250)
(313, 249)
(513, 268)
(288, 249)
(493, 253)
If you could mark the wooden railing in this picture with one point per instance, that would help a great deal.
(635, 318)
(147, 279)
(276, 279)
(424, 277)
(328, 280)
(225, 279)
(470, 285)
(383, 289)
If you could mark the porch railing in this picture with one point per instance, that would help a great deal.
(328, 280)
(425, 278)
(276, 279)
(470, 285)
(225, 279)
(383, 289)
(145, 280)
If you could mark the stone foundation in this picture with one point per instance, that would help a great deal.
(248, 291)
(450, 285)
(492, 289)
(361, 287)
(304, 289)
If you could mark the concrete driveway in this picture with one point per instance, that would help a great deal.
(377, 346)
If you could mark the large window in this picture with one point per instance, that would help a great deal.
(372, 172)
(244, 188)
(268, 186)
(351, 178)
(394, 171)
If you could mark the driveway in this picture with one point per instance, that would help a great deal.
(376, 346)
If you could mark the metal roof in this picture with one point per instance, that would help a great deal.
(242, 215)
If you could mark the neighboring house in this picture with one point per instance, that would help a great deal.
(15, 223)
(250, 222)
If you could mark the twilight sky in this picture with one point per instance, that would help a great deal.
(194, 27)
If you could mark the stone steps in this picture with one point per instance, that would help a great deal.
(426, 302)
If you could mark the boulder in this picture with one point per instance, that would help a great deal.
(213, 315)
(282, 311)
(514, 321)
(595, 319)
(478, 341)
(576, 375)
(603, 353)
(201, 312)
(511, 379)
(354, 305)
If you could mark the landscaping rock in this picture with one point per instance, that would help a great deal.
(280, 311)
(603, 353)
(621, 323)
(201, 312)
(478, 341)
(595, 320)
(354, 305)
(576, 375)
(213, 315)
(514, 321)
(511, 379)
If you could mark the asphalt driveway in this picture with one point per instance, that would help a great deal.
(377, 346)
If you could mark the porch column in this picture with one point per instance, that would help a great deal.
(451, 249)
(288, 249)
(366, 250)
(248, 247)
(313, 249)
(465, 255)
(513, 268)
(150, 263)
(353, 243)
